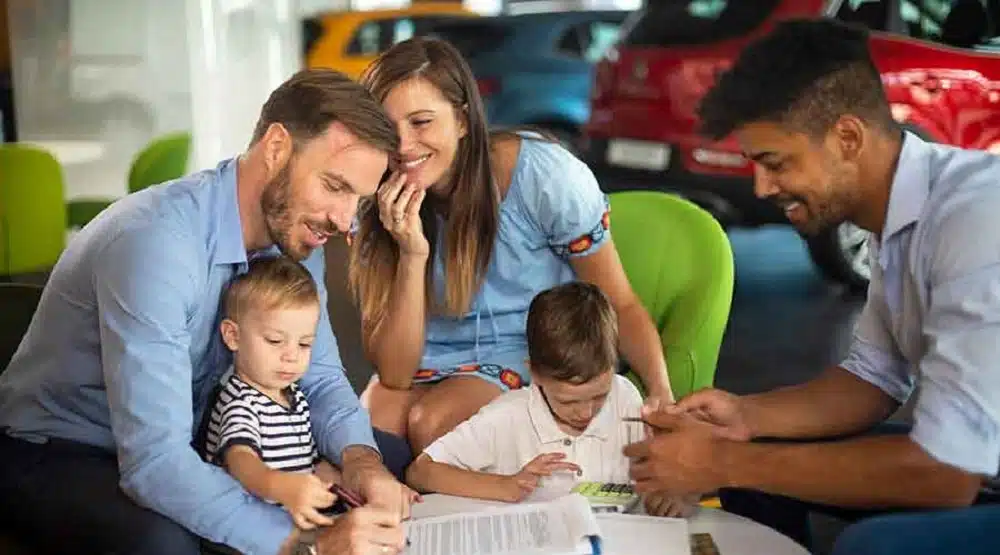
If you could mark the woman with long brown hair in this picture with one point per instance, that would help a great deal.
(469, 227)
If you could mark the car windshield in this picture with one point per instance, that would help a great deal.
(471, 37)
(682, 22)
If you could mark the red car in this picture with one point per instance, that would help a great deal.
(940, 63)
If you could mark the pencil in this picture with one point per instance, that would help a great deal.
(632, 419)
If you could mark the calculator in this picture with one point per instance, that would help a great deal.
(608, 497)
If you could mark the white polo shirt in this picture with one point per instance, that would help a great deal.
(517, 426)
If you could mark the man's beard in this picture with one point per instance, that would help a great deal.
(277, 217)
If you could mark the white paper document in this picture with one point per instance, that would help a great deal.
(562, 526)
(640, 534)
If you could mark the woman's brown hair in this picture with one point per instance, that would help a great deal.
(473, 204)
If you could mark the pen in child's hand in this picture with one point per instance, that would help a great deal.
(632, 419)
(351, 499)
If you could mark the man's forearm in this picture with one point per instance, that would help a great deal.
(835, 403)
(357, 462)
(869, 472)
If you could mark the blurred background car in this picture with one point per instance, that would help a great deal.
(350, 41)
(536, 68)
(940, 70)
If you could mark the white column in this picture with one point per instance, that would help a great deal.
(240, 50)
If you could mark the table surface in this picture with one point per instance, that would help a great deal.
(733, 534)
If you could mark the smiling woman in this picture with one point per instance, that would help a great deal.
(460, 239)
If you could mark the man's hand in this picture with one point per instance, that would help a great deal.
(725, 411)
(675, 506)
(302, 495)
(362, 531)
(364, 473)
(685, 456)
(522, 484)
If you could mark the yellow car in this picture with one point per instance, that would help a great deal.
(350, 41)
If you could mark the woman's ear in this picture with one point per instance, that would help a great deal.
(230, 334)
(463, 121)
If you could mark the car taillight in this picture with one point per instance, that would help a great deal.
(488, 86)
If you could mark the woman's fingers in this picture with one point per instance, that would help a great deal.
(389, 191)
(400, 205)
(413, 208)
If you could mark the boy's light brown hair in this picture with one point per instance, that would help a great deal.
(270, 283)
(572, 333)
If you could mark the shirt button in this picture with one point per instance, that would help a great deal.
(567, 442)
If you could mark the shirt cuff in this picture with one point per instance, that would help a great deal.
(956, 434)
(264, 532)
(354, 431)
(878, 368)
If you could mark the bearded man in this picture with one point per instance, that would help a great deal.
(100, 405)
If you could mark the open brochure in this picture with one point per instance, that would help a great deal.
(563, 526)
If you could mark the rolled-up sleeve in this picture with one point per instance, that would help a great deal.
(874, 355)
(145, 293)
(957, 415)
(338, 419)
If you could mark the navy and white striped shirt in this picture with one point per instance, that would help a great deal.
(281, 436)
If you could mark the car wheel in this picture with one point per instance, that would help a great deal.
(841, 254)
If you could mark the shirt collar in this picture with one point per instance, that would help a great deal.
(545, 424)
(910, 186)
(229, 245)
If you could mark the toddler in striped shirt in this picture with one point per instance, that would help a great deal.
(259, 428)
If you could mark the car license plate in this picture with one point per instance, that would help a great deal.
(640, 155)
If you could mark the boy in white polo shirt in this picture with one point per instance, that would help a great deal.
(568, 426)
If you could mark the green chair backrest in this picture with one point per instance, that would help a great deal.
(679, 262)
(32, 209)
(19, 301)
(163, 159)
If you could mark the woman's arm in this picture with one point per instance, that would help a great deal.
(396, 342)
(640, 342)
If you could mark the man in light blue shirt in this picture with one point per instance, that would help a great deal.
(102, 402)
(806, 105)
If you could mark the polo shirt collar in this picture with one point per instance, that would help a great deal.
(548, 431)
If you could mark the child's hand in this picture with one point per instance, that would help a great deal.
(327, 473)
(303, 495)
(665, 504)
(521, 485)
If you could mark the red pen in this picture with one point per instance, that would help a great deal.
(350, 498)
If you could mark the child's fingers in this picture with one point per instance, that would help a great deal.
(322, 498)
(562, 465)
(302, 522)
(316, 519)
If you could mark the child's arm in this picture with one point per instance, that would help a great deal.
(302, 494)
(425, 474)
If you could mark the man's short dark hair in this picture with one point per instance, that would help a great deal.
(312, 99)
(805, 74)
(572, 333)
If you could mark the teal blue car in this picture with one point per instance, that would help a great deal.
(537, 68)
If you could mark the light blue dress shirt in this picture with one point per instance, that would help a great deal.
(932, 320)
(124, 351)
